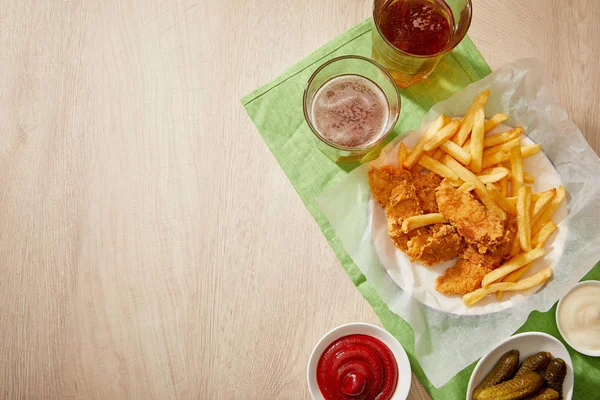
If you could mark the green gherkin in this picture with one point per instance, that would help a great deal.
(546, 394)
(535, 363)
(503, 370)
(555, 375)
(516, 388)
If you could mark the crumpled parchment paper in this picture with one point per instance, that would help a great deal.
(445, 343)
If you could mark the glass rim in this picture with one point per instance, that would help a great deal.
(381, 69)
(439, 53)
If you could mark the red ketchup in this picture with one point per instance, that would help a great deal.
(357, 367)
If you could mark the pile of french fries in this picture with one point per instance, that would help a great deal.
(492, 167)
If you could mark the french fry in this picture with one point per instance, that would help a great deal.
(438, 154)
(456, 182)
(466, 187)
(504, 187)
(541, 204)
(401, 155)
(503, 156)
(501, 138)
(494, 122)
(418, 151)
(495, 168)
(524, 217)
(512, 265)
(547, 214)
(437, 168)
(534, 196)
(494, 174)
(516, 275)
(501, 200)
(493, 159)
(467, 123)
(456, 151)
(516, 169)
(477, 141)
(539, 239)
(527, 283)
(467, 176)
(513, 277)
(467, 145)
(441, 136)
(418, 221)
(529, 150)
(503, 147)
(516, 246)
(528, 178)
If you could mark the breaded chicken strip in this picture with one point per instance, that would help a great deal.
(480, 227)
(433, 244)
(406, 195)
(403, 203)
(510, 235)
(468, 272)
(462, 278)
(383, 180)
(425, 185)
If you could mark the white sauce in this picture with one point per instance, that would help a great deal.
(579, 317)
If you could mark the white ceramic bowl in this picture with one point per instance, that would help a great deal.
(357, 328)
(587, 352)
(527, 343)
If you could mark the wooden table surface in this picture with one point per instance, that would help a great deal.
(151, 247)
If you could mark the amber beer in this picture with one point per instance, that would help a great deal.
(411, 36)
(350, 111)
(351, 104)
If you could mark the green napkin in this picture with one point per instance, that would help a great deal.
(276, 109)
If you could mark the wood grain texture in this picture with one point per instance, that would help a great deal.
(151, 246)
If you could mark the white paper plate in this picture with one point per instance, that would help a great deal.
(419, 279)
(527, 343)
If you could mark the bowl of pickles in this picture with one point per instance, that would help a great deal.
(531, 365)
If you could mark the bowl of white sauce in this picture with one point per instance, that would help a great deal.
(578, 318)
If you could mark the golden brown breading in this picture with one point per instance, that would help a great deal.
(405, 195)
(425, 185)
(403, 203)
(462, 278)
(383, 180)
(468, 272)
(510, 234)
(433, 244)
(479, 226)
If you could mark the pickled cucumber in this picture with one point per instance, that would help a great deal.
(555, 375)
(517, 388)
(536, 363)
(546, 394)
(503, 370)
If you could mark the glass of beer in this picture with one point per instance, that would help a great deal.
(351, 104)
(411, 36)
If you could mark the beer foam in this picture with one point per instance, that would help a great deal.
(350, 110)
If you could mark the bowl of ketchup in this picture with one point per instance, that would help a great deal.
(358, 361)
